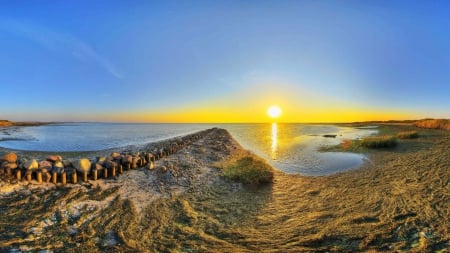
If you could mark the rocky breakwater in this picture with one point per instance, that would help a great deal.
(59, 171)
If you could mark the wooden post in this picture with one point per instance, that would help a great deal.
(28, 175)
(39, 177)
(18, 175)
(120, 169)
(95, 174)
(55, 177)
(113, 171)
(64, 178)
(85, 176)
(9, 172)
(105, 173)
(74, 177)
(48, 177)
(128, 166)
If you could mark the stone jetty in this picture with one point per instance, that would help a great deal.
(54, 169)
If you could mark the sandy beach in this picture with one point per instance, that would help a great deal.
(397, 201)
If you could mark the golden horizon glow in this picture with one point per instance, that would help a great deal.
(274, 111)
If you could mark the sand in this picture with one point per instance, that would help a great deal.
(397, 201)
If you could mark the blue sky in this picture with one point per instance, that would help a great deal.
(141, 60)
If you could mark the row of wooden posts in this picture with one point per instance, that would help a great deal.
(70, 174)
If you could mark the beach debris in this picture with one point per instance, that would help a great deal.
(329, 135)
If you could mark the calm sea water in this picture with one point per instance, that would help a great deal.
(291, 148)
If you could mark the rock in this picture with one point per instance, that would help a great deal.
(109, 164)
(82, 165)
(54, 158)
(31, 165)
(58, 170)
(101, 159)
(45, 164)
(163, 169)
(7, 165)
(149, 157)
(134, 162)
(67, 163)
(58, 164)
(10, 157)
(127, 159)
(150, 165)
(115, 155)
(97, 166)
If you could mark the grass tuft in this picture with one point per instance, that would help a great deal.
(407, 135)
(248, 170)
(379, 142)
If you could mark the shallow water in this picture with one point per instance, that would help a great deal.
(291, 148)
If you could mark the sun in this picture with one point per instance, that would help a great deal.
(274, 111)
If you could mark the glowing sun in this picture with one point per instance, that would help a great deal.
(274, 111)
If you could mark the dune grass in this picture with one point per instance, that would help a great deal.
(248, 170)
(385, 141)
(407, 135)
(434, 123)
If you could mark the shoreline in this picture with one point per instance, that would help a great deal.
(396, 202)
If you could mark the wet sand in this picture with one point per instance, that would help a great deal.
(398, 201)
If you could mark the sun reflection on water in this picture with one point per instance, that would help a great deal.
(274, 147)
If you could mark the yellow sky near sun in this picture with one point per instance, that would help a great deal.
(250, 105)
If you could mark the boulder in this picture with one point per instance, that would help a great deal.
(7, 165)
(67, 163)
(82, 165)
(101, 159)
(10, 157)
(135, 161)
(149, 157)
(127, 159)
(31, 165)
(44, 170)
(109, 164)
(97, 166)
(115, 155)
(45, 164)
(54, 158)
(59, 164)
(58, 170)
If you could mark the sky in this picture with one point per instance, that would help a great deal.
(224, 61)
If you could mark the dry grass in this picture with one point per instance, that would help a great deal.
(434, 124)
(248, 170)
(407, 135)
(386, 141)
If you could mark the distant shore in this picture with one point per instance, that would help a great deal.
(7, 123)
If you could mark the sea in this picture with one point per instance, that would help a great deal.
(292, 148)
